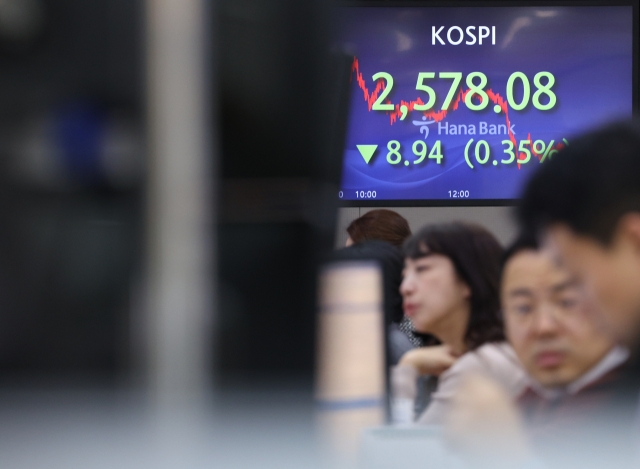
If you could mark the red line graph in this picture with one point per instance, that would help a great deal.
(437, 116)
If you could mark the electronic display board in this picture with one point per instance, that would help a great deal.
(459, 105)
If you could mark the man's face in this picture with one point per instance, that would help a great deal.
(610, 274)
(547, 321)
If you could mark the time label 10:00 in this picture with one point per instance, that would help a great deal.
(361, 194)
(476, 82)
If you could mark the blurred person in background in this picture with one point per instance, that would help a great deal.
(584, 206)
(392, 228)
(390, 260)
(384, 225)
(450, 290)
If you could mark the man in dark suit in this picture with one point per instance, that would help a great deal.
(583, 206)
(573, 367)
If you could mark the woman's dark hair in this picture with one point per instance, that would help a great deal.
(382, 225)
(476, 255)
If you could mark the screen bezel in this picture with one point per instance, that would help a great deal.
(480, 4)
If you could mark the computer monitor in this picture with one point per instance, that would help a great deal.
(458, 104)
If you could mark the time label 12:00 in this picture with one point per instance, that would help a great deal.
(475, 97)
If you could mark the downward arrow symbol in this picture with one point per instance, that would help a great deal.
(367, 151)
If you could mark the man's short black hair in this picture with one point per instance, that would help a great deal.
(588, 185)
(524, 242)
